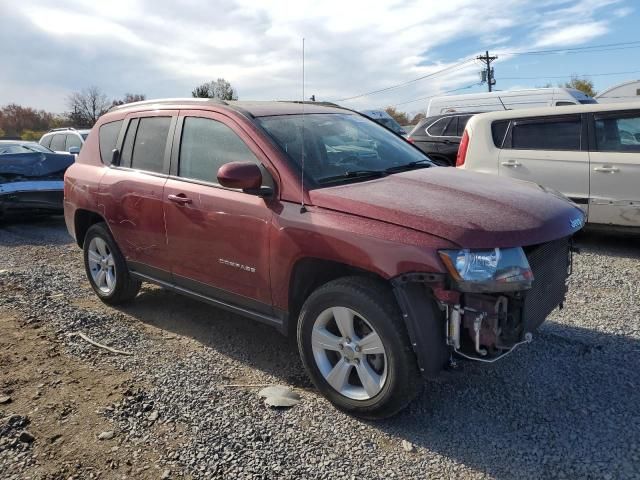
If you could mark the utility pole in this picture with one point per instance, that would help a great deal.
(487, 74)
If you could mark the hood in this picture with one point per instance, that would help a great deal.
(473, 210)
(34, 164)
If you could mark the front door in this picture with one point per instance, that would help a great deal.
(218, 237)
(550, 151)
(615, 169)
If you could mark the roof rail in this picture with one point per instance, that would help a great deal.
(166, 101)
(61, 128)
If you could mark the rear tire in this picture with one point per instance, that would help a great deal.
(355, 348)
(106, 267)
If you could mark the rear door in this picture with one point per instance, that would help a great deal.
(550, 151)
(615, 168)
(218, 237)
(132, 192)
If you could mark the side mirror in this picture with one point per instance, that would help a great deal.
(115, 157)
(74, 150)
(245, 176)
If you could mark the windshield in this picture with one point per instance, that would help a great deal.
(341, 147)
(391, 124)
(589, 101)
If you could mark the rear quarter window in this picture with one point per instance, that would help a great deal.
(58, 142)
(46, 141)
(108, 139)
(499, 131)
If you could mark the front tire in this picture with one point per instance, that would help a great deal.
(106, 267)
(355, 347)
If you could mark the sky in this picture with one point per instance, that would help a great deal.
(165, 48)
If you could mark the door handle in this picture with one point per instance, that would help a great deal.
(511, 163)
(180, 199)
(606, 169)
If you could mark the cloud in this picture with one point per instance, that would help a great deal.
(164, 48)
(573, 35)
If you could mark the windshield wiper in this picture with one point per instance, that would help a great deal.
(410, 166)
(363, 174)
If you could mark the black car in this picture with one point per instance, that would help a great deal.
(439, 136)
(31, 178)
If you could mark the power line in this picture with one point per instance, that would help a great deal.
(571, 75)
(392, 87)
(438, 94)
(591, 48)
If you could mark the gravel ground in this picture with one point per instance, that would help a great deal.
(565, 406)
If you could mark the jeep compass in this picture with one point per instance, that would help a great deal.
(322, 223)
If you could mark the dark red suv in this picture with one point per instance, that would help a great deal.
(385, 266)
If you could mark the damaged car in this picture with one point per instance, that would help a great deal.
(327, 226)
(31, 178)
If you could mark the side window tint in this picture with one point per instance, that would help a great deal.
(547, 134)
(58, 142)
(436, 129)
(73, 141)
(498, 131)
(46, 141)
(206, 145)
(452, 128)
(562, 104)
(108, 137)
(149, 144)
(462, 122)
(618, 133)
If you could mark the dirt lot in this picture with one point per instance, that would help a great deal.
(565, 406)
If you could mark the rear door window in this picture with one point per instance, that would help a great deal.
(618, 132)
(108, 138)
(73, 141)
(58, 142)
(206, 145)
(558, 133)
(150, 144)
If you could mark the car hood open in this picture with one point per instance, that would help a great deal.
(473, 210)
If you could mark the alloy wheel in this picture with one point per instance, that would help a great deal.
(349, 353)
(102, 265)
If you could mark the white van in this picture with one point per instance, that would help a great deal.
(507, 100)
(589, 153)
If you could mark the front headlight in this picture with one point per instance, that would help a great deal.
(496, 270)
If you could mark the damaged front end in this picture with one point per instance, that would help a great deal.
(492, 302)
(32, 182)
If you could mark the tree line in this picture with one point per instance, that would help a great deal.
(84, 108)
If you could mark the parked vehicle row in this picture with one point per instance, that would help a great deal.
(590, 153)
(327, 226)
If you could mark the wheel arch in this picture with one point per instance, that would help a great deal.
(82, 221)
(308, 274)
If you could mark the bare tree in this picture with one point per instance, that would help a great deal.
(129, 98)
(87, 106)
(220, 88)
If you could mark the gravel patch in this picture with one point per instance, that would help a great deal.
(565, 406)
